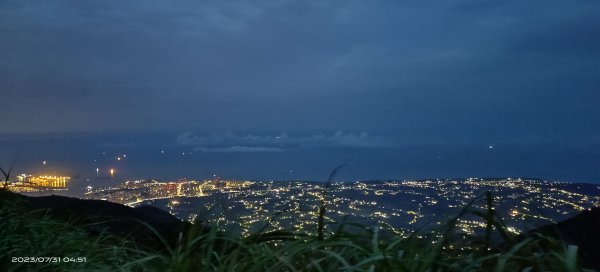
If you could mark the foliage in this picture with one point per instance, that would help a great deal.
(371, 249)
(6, 174)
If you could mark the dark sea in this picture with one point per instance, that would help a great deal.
(88, 158)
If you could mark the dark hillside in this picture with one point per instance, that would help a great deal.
(582, 230)
(97, 216)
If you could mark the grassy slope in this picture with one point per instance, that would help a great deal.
(35, 233)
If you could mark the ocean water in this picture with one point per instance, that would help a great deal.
(159, 156)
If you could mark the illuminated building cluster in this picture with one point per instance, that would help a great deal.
(32, 183)
(402, 206)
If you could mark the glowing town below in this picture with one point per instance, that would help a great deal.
(402, 206)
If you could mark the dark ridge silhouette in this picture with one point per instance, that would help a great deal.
(97, 216)
(124, 222)
(582, 230)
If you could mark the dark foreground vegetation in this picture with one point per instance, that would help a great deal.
(113, 237)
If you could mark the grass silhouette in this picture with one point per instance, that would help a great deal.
(37, 234)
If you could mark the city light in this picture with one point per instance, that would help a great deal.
(33, 183)
(402, 205)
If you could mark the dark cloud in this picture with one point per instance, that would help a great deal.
(461, 70)
(434, 83)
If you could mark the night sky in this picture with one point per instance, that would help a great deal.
(284, 89)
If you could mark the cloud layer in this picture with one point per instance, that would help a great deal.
(231, 142)
(466, 68)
